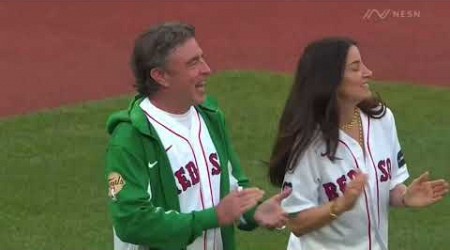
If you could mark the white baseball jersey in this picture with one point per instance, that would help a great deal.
(194, 163)
(317, 180)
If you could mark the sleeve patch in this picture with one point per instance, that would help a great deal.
(115, 183)
(400, 159)
(286, 185)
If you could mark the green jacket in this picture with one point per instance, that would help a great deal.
(153, 218)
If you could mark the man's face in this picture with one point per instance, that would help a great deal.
(186, 74)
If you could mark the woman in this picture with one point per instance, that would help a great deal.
(337, 147)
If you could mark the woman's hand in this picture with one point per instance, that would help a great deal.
(351, 194)
(422, 192)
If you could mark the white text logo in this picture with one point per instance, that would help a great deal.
(375, 14)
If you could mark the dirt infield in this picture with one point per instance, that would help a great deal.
(54, 53)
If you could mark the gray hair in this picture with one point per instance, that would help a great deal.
(152, 49)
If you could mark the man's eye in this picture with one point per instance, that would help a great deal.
(193, 62)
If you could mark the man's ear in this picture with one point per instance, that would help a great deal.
(159, 76)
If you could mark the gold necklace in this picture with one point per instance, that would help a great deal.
(354, 121)
(361, 136)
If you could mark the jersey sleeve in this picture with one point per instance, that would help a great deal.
(304, 181)
(135, 218)
(399, 170)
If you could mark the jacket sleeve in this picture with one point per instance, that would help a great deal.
(247, 222)
(135, 218)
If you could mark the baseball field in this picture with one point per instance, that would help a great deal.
(64, 69)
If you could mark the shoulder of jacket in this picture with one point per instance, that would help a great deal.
(128, 137)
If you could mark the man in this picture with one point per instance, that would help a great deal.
(174, 179)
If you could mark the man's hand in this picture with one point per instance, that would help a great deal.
(231, 208)
(270, 214)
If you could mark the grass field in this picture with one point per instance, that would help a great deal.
(51, 174)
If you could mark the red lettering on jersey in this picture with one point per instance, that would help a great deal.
(193, 173)
(384, 170)
(389, 167)
(182, 180)
(216, 166)
(351, 174)
(342, 182)
(330, 190)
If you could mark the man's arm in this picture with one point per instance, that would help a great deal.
(136, 219)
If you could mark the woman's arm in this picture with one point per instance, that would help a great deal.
(313, 218)
(396, 196)
(317, 217)
(422, 192)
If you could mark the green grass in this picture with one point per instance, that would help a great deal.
(51, 174)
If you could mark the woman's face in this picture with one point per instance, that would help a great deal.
(354, 87)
